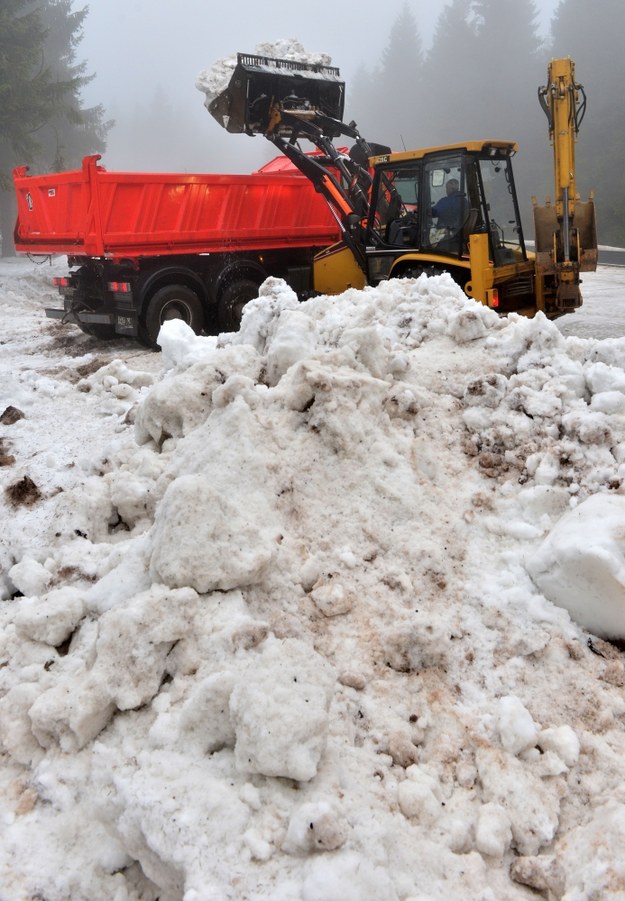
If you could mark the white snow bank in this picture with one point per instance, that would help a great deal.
(272, 635)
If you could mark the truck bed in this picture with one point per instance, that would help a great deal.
(93, 212)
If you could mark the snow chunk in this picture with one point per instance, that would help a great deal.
(331, 597)
(493, 834)
(29, 576)
(130, 660)
(593, 855)
(52, 618)
(262, 318)
(517, 729)
(347, 876)
(209, 539)
(205, 716)
(279, 710)
(418, 794)
(295, 339)
(563, 741)
(316, 826)
(581, 565)
(72, 712)
(532, 803)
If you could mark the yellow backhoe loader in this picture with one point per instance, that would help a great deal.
(452, 208)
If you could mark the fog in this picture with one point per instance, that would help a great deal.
(146, 55)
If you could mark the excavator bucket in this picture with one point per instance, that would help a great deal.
(262, 89)
(582, 241)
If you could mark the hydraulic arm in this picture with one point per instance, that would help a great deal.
(566, 239)
(287, 101)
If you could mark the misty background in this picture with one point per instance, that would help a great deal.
(147, 54)
(120, 80)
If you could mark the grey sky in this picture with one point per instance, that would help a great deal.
(133, 46)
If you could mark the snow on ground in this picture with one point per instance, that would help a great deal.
(286, 613)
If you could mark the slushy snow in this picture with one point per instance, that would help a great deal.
(329, 608)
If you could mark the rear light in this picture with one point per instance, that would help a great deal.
(119, 287)
(60, 281)
(493, 298)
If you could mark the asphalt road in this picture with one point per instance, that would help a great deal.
(602, 314)
(612, 256)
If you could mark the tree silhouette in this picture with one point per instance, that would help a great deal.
(42, 119)
(449, 78)
(386, 102)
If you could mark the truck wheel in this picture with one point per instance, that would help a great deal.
(173, 302)
(231, 302)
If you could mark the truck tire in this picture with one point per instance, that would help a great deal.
(172, 302)
(231, 302)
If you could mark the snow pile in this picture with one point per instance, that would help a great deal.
(280, 638)
(216, 79)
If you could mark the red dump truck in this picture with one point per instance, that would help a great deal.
(146, 247)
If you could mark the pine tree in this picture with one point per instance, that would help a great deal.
(73, 130)
(449, 79)
(507, 64)
(41, 116)
(387, 101)
(399, 97)
(26, 91)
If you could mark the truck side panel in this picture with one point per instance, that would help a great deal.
(93, 212)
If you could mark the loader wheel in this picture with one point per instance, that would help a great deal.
(172, 302)
(231, 302)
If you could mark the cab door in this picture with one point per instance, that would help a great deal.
(394, 224)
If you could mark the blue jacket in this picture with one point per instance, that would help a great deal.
(449, 210)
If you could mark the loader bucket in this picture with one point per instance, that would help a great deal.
(262, 88)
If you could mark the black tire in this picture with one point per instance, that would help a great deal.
(172, 302)
(231, 302)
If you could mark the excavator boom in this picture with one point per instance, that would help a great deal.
(566, 234)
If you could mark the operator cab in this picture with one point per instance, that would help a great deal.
(426, 204)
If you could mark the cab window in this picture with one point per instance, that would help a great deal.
(397, 206)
